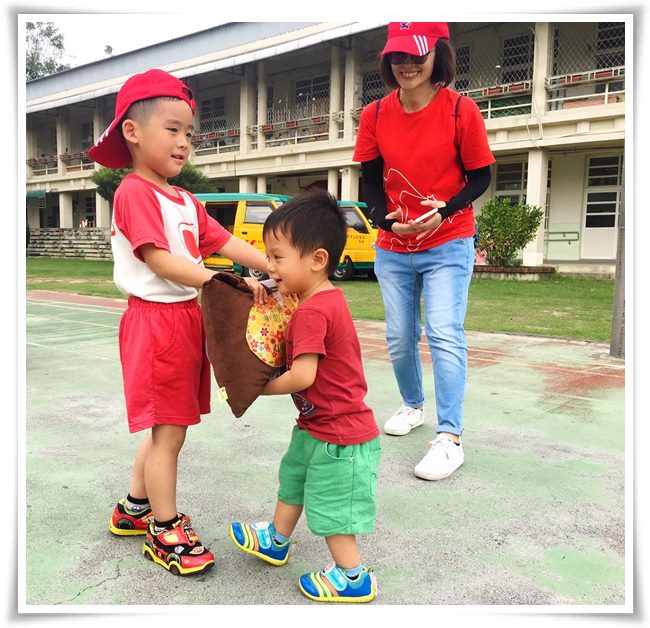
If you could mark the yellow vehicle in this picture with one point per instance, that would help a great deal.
(244, 214)
(359, 253)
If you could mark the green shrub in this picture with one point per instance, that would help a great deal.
(504, 229)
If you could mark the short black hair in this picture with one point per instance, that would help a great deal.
(444, 66)
(311, 220)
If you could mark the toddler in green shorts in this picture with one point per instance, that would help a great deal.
(330, 468)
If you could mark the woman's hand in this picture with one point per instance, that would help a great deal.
(259, 291)
(410, 227)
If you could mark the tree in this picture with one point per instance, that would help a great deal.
(44, 49)
(190, 179)
(107, 180)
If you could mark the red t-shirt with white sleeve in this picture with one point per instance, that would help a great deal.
(421, 161)
(332, 409)
(143, 213)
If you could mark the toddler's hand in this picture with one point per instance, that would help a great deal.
(259, 291)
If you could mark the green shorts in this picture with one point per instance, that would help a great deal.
(335, 483)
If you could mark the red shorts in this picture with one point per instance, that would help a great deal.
(165, 367)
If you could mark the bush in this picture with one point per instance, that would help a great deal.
(504, 229)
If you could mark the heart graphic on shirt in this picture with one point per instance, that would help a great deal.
(188, 237)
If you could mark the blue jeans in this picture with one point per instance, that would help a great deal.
(442, 275)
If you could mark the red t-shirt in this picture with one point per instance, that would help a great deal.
(332, 409)
(420, 161)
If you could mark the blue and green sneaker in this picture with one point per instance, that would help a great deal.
(257, 539)
(331, 584)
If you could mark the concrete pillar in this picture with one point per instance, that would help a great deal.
(333, 181)
(247, 184)
(533, 254)
(350, 183)
(247, 114)
(541, 64)
(62, 137)
(335, 92)
(65, 210)
(261, 184)
(261, 104)
(350, 94)
(102, 212)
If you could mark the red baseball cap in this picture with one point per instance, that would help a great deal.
(110, 150)
(416, 38)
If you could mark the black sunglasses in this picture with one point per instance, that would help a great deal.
(397, 58)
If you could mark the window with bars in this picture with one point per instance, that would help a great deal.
(463, 59)
(511, 181)
(312, 96)
(603, 191)
(87, 139)
(89, 206)
(610, 51)
(517, 60)
(213, 114)
(372, 87)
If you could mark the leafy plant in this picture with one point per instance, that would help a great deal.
(505, 228)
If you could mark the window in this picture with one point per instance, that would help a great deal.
(610, 51)
(312, 96)
(87, 135)
(462, 68)
(547, 204)
(372, 87)
(353, 219)
(511, 181)
(257, 212)
(610, 45)
(517, 62)
(213, 114)
(89, 205)
(603, 191)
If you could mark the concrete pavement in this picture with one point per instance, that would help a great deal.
(536, 515)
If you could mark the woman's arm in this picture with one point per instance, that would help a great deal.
(372, 180)
(477, 182)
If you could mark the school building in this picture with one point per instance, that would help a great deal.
(278, 108)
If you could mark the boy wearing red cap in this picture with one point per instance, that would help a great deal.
(159, 236)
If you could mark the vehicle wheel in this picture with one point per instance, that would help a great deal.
(345, 272)
(255, 274)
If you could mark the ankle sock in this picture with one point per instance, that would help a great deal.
(353, 572)
(277, 537)
(135, 505)
(159, 526)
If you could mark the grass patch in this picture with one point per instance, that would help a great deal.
(569, 307)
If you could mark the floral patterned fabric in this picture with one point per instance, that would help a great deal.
(267, 328)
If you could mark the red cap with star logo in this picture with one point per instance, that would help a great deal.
(415, 38)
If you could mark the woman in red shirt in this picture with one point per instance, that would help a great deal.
(424, 158)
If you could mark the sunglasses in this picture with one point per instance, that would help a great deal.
(397, 58)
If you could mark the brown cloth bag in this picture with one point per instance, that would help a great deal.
(226, 301)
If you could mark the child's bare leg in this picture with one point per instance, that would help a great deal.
(137, 487)
(160, 469)
(286, 517)
(343, 548)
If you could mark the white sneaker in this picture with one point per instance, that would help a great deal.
(442, 459)
(404, 420)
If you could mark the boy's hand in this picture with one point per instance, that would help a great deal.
(260, 294)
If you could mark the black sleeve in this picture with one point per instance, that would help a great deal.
(372, 181)
(477, 182)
